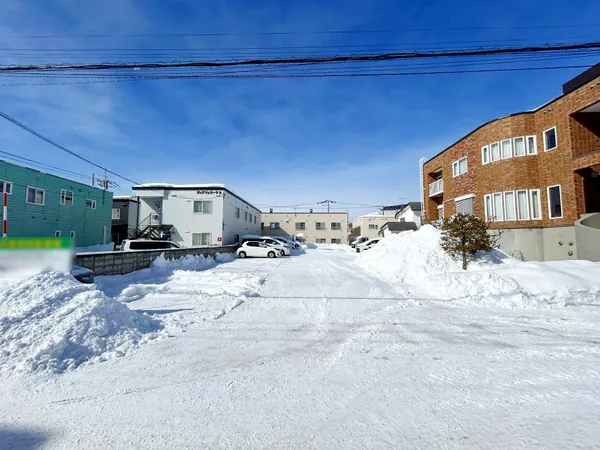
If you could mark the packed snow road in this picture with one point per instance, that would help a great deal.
(313, 352)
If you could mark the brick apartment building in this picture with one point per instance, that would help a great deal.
(535, 175)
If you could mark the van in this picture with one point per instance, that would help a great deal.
(129, 245)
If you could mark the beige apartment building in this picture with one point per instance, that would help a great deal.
(316, 227)
(370, 224)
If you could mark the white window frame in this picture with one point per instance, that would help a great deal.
(274, 225)
(255, 219)
(36, 189)
(456, 167)
(539, 204)
(118, 210)
(57, 233)
(320, 225)
(63, 197)
(6, 183)
(514, 202)
(237, 212)
(496, 219)
(338, 225)
(320, 241)
(546, 149)
(502, 149)
(526, 203)
(72, 234)
(300, 228)
(373, 226)
(527, 152)
(514, 144)
(201, 235)
(93, 203)
(492, 153)
(562, 209)
(488, 212)
(485, 154)
(202, 202)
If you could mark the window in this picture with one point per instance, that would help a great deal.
(531, 145)
(320, 225)
(485, 154)
(116, 214)
(203, 206)
(519, 144)
(321, 241)
(464, 206)
(498, 211)
(236, 238)
(66, 197)
(536, 204)
(57, 233)
(274, 225)
(495, 151)
(510, 212)
(459, 167)
(489, 210)
(246, 216)
(237, 212)
(506, 147)
(252, 244)
(522, 205)
(35, 196)
(262, 225)
(554, 202)
(550, 141)
(5, 186)
(249, 217)
(373, 227)
(254, 220)
(201, 239)
(90, 204)
(72, 234)
(336, 241)
(300, 225)
(336, 226)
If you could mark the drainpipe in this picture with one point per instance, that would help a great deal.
(4, 214)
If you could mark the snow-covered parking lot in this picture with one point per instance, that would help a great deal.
(312, 351)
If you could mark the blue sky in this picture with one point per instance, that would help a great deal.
(275, 141)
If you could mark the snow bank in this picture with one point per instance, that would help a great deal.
(52, 323)
(335, 247)
(495, 280)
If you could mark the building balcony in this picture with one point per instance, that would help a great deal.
(436, 188)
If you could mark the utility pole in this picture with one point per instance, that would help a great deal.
(328, 203)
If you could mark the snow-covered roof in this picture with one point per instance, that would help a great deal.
(122, 197)
(179, 186)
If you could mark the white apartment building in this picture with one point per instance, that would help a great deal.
(315, 227)
(195, 214)
(370, 224)
(410, 213)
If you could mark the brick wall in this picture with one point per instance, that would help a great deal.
(577, 135)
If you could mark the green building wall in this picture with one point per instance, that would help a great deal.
(91, 226)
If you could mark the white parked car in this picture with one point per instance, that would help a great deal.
(366, 245)
(129, 245)
(359, 240)
(257, 249)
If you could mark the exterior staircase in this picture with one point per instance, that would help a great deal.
(153, 228)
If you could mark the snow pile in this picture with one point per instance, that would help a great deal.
(50, 322)
(496, 280)
(336, 247)
(408, 257)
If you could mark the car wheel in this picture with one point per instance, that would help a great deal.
(281, 253)
(242, 255)
(271, 254)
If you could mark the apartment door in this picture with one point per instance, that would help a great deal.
(591, 189)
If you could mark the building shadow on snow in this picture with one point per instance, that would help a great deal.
(21, 439)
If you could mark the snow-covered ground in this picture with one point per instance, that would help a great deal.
(318, 351)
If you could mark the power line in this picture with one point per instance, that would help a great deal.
(306, 32)
(310, 60)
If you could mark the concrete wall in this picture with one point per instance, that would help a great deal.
(540, 244)
(363, 223)
(587, 232)
(119, 263)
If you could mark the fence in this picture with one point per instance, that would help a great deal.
(119, 263)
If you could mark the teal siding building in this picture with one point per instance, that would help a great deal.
(44, 205)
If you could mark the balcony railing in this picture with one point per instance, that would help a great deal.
(436, 188)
